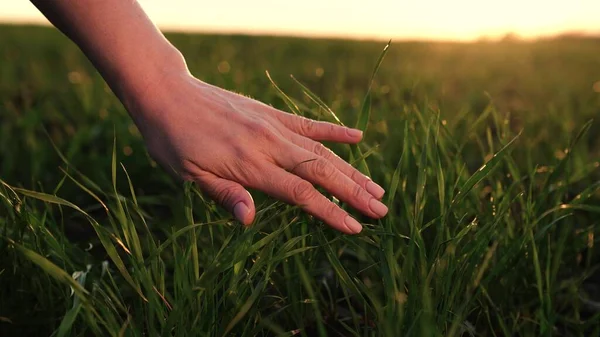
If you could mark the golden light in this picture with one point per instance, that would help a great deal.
(384, 19)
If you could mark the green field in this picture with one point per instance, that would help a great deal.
(489, 153)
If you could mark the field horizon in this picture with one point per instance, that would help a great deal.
(508, 35)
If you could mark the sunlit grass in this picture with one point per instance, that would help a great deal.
(492, 226)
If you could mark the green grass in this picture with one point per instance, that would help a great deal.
(488, 151)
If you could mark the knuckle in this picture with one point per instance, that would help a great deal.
(357, 192)
(322, 168)
(242, 154)
(307, 126)
(302, 192)
(225, 195)
(244, 169)
(331, 128)
(358, 177)
(330, 211)
(261, 129)
(322, 150)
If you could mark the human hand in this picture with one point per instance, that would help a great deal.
(222, 141)
(226, 142)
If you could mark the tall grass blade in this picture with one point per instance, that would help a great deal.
(67, 322)
(313, 97)
(286, 99)
(246, 307)
(483, 171)
(365, 111)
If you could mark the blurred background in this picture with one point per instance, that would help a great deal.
(535, 61)
(463, 20)
(479, 72)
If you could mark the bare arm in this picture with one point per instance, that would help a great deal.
(223, 141)
(118, 37)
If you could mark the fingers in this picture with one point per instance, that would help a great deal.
(317, 130)
(296, 191)
(320, 171)
(231, 195)
(306, 133)
(343, 166)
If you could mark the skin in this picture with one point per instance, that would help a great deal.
(222, 141)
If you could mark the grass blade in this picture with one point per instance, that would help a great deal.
(483, 171)
(313, 97)
(286, 99)
(246, 307)
(365, 111)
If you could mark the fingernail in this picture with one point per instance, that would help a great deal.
(352, 224)
(354, 133)
(375, 190)
(240, 211)
(378, 208)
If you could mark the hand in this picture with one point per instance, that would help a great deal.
(226, 142)
(222, 141)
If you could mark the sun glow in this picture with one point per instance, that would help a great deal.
(399, 19)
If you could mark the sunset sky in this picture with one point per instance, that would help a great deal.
(400, 19)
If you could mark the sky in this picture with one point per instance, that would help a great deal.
(462, 20)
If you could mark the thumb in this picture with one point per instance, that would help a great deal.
(229, 194)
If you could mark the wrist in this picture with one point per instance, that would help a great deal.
(143, 85)
(141, 77)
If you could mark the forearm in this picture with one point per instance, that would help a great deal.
(118, 37)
